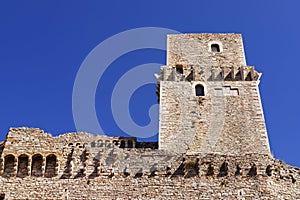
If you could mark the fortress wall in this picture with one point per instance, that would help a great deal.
(193, 178)
(155, 188)
(212, 145)
(75, 155)
(97, 170)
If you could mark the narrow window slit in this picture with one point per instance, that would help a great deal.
(224, 169)
(269, 170)
(253, 170)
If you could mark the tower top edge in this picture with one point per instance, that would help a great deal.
(205, 35)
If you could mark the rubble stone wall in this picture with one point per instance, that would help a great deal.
(227, 117)
(212, 140)
(194, 49)
(85, 171)
(225, 124)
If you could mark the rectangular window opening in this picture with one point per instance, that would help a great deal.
(179, 69)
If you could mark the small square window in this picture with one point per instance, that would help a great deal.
(179, 69)
(215, 48)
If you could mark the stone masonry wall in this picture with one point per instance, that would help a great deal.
(228, 117)
(226, 124)
(111, 172)
(75, 155)
(194, 49)
(212, 145)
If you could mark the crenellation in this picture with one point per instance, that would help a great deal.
(213, 142)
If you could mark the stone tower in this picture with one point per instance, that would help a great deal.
(212, 135)
(209, 97)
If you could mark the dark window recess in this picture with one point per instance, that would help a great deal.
(9, 166)
(199, 90)
(253, 170)
(215, 48)
(238, 171)
(51, 163)
(269, 170)
(129, 144)
(122, 145)
(115, 142)
(224, 169)
(179, 69)
(36, 165)
(210, 170)
(22, 166)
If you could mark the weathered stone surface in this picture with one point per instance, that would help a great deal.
(228, 117)
(129, 173)
(211, 146)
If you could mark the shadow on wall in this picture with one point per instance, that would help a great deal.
(40, 166)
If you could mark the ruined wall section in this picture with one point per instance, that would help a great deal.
(96, 167)
(27, 141)
(29, 152)
(32, 153)
(108, 159)
(215, 176)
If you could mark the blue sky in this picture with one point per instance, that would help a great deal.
(43, 43)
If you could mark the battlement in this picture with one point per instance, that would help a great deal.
(188, 73)
(209, 98)
(18, 160)
(212, 143)
(85, 163)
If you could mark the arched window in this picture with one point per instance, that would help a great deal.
(50, 170)
(215, 48)
(22, 166)
(9, 166)
(36, 166)
(199, 89)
